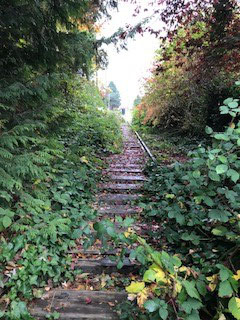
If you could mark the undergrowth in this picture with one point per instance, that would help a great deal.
(49, 168)
(191, 271)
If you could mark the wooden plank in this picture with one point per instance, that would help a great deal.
(118, 210)
(127, 166)
(122, 187)
(74, 304)
(118, 198)
(124, 170)
(128, 178)
(105, 265)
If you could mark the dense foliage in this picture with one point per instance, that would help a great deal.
(196, 205)
(53, 128)
(49, 173)
(194, 70)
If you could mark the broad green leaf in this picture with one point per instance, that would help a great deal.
(135, 287)
(233, 174)
(228, 100)
(219, 231)
(214, 176)
(224, 110)
(191, 289)
(201, 286)
(208, 130)
(221, 136)
(163, 313)
(221, 168)
(191, 304)
(151, 305)
(233, 104)
(149, 276)
(234, 307)
(224, 274)
(225, 289)
(193, 316)
(6, 221)
(219, 215)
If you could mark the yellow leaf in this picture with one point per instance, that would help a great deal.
(237, 276)
(160, 274)
(84, 160)
(37, 181)
(135, 287)
(222, 317)
(142, 297)
(213, 281)
(183, 269)
(127, 233)
(178, 287)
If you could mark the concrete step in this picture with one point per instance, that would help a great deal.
(79, 305)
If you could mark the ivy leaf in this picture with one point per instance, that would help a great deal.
(151, 305)
(191, 304)
(219, 231)
(193, 316)
(191, 290)
(233, 174)
(163, 313)
(224, 274)
(225, 289)
(213, 176)
(234, 307)
(135, 287)
(233, 104)
(219, 215)
(221, 168)
(224, 110)
(6, 221)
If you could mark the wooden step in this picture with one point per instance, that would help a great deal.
(118, 210)
(124, 170)
(105, 265)
(128, 187)
(128, 178)
(118, 198)
(127, 166)
(79, 305)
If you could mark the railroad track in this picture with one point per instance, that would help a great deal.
(125, 182)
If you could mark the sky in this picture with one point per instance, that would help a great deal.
(128, 68)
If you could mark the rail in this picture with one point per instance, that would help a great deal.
(145, 147)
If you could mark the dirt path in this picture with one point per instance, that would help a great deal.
(125, 179)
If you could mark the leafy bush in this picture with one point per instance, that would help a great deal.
(196, 204)
(194, 71)
(49, 168)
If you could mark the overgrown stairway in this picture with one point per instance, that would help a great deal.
(125, 179)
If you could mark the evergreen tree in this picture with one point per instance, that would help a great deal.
(114, 96)
(137, 101)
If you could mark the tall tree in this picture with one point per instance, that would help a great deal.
(114, 96)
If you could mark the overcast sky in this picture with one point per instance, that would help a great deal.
(127, 69)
